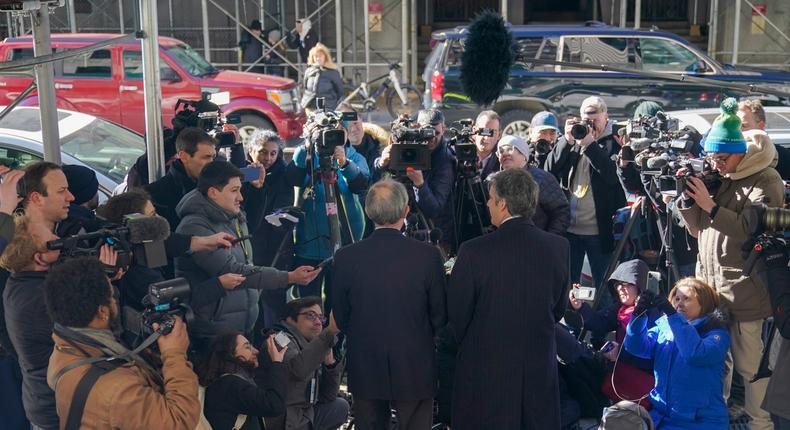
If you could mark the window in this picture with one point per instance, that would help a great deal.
(27, 119)
(105, 147)
(190, 60)
(528, 48)
(455, 52)
(133, 66)
(662, 55)
(96, 64)
(21, 54)
(15, 158)
(599, 50)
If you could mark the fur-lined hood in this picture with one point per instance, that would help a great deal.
(377, 132)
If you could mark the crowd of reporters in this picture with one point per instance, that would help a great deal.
(379, 307)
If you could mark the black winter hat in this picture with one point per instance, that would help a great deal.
(82, 183)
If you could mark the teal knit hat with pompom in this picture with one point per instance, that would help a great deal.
(725, 134)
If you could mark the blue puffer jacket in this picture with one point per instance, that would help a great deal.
(312, 233)
(688, 362)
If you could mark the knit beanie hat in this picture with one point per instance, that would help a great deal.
(725, 134)
(516, 142)
(647, 109)
(82, 183)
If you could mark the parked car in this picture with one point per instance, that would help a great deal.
(560, 89)
(107, 148)
(108, 83)
(777, 121)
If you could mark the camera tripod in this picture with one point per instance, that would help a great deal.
(470, 218)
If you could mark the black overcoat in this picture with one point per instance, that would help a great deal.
(503, 313)
(389, 300)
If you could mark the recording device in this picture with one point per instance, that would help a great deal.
(580, 127)
(488, 57)
(608, 346)
(281, 340)
(764, 225)
(326, 134)
(164, 301)
(207, 115)
(325, 263)
(250, 174)
(541, 147)
(240, 239)
(289, 214)
(410, 148)
(583, 293)
(139, 237)
(461, 140)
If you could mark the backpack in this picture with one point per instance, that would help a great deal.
(626, 415)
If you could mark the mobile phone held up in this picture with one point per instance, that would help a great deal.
(584, 293)
(250, 174)
(281, 340)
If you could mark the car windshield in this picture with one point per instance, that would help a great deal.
(190, 60)
(105, 147)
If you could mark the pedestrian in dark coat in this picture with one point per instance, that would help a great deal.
(504, 312)
(389, 301)
(322, 79)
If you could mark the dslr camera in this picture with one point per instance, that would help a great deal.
(410, 148)
(164, 301)
(579, 128)
(206, 115)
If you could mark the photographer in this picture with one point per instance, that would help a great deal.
(433, 187)
(313, 233)
(718, 222)
(132, 394)
(215, 206)
(29, 328)
(543, 133)
(195, 149)
(487, 145)
(584, 167)
(552, 212)
(313, 372)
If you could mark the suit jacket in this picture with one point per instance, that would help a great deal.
(503, 313)
(389, 301)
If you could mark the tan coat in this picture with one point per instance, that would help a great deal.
(126, 398)
(720, 262)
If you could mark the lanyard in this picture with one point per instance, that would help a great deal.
(242, 243)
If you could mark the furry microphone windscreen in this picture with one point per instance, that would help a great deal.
(147, 229)
(488, 56)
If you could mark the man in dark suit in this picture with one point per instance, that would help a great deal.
(389, 301)
(503, 312)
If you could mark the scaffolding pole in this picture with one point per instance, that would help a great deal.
(354, 32)
(152, 91)
(637, 14)
(73, 17)
(366, 5)
(120, 16)
(623, 12)
(713, 25)
(413, 32)
(404, 42)
(339, 36)
(206, 41)
(504, 9)
(45, 82)
(736, 34)
(238, 32)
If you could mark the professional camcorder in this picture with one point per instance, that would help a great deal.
(138, 239)
(410, 148)
(164, 301)
(323, 129)
(461, 139)
(207, 115)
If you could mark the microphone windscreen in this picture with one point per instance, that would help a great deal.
(436, 235)
(488, 56)
(147, 229)
(657, 162)
(640, 144)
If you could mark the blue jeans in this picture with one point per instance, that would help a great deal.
(599, 260)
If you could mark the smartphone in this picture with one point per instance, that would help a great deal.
(608, 346)
(250, 174)
(240, 239)
(281, 340)
(584, 293)
(324, 263)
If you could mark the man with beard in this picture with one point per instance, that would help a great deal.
(128, 392)
(29, 261)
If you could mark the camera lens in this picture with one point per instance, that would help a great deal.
(776, 219)
(408, 155)
(579, 131)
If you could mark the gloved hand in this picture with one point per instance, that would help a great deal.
(662, 304)
(644, 302)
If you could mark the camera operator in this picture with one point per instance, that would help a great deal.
(552, 212)
(487, 145)
(213, 207)
(29, 329)
(195, 149)
(544, 130)
(131, 394)
(585, 169)
(353, 174)
(777, 280)
(434, 187)
(718, 222)
(752, 115)
(313, 371)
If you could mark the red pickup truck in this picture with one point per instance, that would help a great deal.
(108, 83)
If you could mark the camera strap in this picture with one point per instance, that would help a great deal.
(84, 387)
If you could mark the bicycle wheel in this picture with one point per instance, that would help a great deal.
(396, 107)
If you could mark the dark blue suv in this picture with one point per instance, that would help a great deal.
(561, 89)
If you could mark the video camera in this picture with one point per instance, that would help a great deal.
(461, 140)
(139, 239)
(410, 148)
(206, 115)
(764, 226)
(164, 301)
(323, 132)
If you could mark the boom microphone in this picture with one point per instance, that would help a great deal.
(144, 229)
(488, 57)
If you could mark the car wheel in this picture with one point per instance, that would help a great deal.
(516, 123)
(249, 123)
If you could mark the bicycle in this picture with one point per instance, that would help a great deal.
(400, 98)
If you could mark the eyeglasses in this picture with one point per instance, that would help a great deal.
(312, 316)
(720, 159)
(505, 149)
